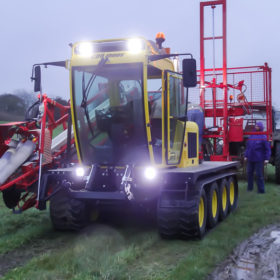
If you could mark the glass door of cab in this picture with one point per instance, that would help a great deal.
(175, 112)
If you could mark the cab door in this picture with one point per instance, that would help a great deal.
(175, 97)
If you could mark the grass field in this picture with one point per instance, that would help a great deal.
(129, 250)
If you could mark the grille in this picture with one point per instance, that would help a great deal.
(192, 145)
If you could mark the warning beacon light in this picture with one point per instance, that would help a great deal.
(160, 38)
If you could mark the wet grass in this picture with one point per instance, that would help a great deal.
(16, 230)
(135, 251)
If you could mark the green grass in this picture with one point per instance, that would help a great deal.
(136, 252)
(16, 230)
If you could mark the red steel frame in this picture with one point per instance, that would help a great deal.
(213, 5)
(224, 108)
(29, 175)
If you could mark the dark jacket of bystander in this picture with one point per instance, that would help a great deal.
(258, 148)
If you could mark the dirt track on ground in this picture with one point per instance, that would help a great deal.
(22, 255)
(257, 258)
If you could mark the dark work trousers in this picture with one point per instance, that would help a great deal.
(258, 167)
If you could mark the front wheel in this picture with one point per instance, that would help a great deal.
(68, 213)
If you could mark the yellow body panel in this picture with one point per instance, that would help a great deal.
(185, 160)
(73, 115)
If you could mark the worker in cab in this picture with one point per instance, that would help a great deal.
(257, 154)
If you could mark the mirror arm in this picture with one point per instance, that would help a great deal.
(162, 56)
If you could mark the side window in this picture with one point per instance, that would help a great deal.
(155, 111)
(176, 102)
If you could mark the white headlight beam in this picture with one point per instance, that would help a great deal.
(80, 171)
(85, 49)
(150, 173)
(135, 45)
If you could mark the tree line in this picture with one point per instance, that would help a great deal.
(13, 106)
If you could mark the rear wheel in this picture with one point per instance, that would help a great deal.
(223, 199)
(68, 213)
(213, 205)
(277, 162)
(202, 214)
(233, 193)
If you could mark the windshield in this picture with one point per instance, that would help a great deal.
(109, 114)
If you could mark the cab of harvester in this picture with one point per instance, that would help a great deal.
(129, 106)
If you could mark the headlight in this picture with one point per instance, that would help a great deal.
(135, 45)
(150, 173)
(85, 49)
(80, 171)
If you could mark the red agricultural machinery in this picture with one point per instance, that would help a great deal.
(28, 148)
(233, 99)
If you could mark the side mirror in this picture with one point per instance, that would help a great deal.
(189, 72)
(37, 78)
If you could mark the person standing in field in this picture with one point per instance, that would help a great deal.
(257, 154)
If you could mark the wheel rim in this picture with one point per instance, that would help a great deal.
(231, 193)
(214, 204)
(201, 212)
(224, 198)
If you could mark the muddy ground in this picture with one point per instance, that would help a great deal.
(257, 258)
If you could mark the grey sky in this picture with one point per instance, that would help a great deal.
(34, 31)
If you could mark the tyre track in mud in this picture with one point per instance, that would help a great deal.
(258, 257)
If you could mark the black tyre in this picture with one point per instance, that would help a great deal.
(184, 222)
(67, 213)
(277, 162)
(233, 193)
(213, 205)
(223, 199)
(168, 221)
(11, 197)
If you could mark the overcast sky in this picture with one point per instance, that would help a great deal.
(34, 31)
